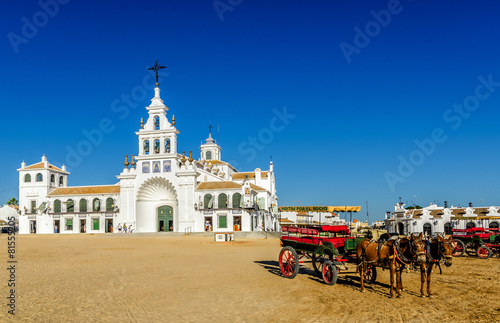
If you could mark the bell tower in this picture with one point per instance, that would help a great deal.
(210, 150)
(158, 136)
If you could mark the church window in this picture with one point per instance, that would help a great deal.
(96, 205)
(70, 206)
(470, 225)
(61, 181)
(167, 146)
(57, 206)
(109, 204)
(39, 177)
(33, 207)
(52, 179)
(208, 155)
(146, 147)
(208, 201)
(157, 123)
(27, 178)
(236, 201)
(83, 205)
(222, 201)
(494, 225)
(222, 221)
(157, 146)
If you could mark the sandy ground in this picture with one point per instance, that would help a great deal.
(134, 278)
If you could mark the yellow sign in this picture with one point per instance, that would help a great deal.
(329, 209)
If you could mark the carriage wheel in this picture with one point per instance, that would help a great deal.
(458, 248)
(289, 262)
(471, 249)
(483, 252)
(370, 275)
(329, 273)
(318, 261)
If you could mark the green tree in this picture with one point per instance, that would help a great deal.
(13, 201)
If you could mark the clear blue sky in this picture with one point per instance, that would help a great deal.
(363, 86)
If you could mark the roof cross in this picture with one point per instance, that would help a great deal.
(156, 68)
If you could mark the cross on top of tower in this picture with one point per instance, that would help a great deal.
(156, 68)
(210, 127)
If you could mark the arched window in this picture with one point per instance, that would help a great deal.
(494, 225)
(427, 229)
(96, 205)
(222, 201)
(61, 181)
(146, 147)
(157, 123)
(167, 146)
(470, 225)
(447, 228)
(70, 206)
(157, 146)
(27, 178)
(57, 206)
(83, 205)
(52, 179)
(208, 201)
(208, 155)
(236, 200)
(109, 204)
(39, 177)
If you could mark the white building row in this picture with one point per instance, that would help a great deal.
(434, 219)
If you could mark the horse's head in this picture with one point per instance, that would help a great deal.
(446, 250)
(418, 249)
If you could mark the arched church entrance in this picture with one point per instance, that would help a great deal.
(156, 206)
(165, 218)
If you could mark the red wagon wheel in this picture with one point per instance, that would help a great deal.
(318, 261)
(458, 248)
(289, 262)
(329, 273)
(483, 252)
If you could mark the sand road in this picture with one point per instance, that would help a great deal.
(160, 278)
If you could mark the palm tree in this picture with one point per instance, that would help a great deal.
(13, 202)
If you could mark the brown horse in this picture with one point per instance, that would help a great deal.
(438, 250)
(411, 253)
(394, 253)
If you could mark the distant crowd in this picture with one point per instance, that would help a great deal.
(124, 228)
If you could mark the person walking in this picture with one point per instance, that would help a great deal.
(124, 228)
(119, 227)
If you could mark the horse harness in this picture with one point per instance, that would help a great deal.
(413, 250)
(441, 255)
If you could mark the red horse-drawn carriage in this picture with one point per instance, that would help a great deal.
(328, 247)
(476, 241)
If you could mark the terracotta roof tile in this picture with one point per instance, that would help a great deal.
(218, 185)
(86, 190)
(258, 188)
(41, 166)
(249, 175)
(457, 212)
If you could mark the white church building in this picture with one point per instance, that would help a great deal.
(159, 190)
